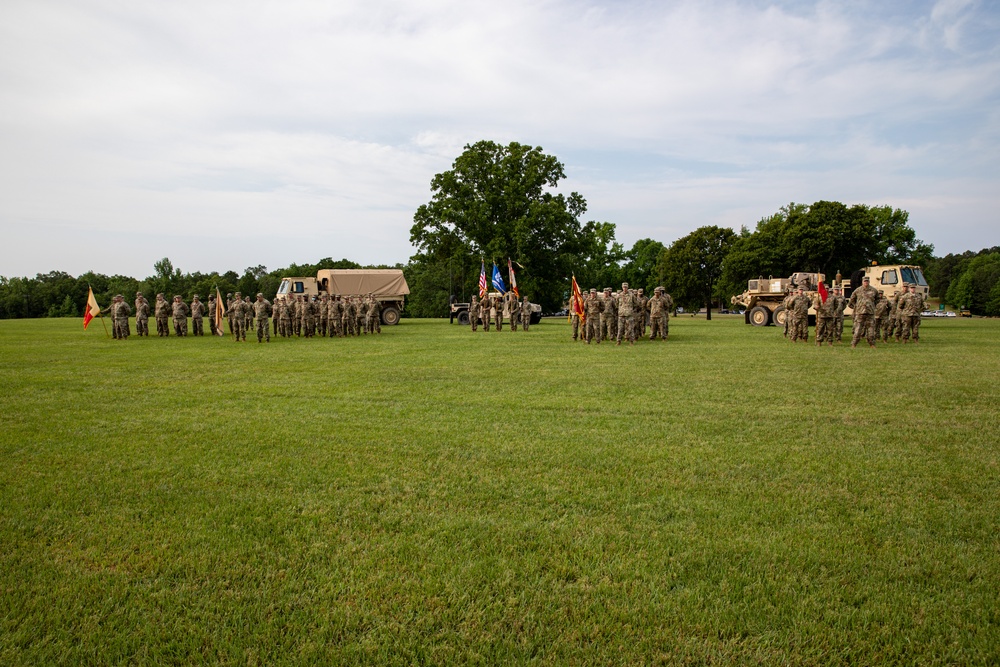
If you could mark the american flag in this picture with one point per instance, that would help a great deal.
(483, 285)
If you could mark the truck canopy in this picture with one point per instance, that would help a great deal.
(380, 282)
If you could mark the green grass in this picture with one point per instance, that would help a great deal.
(432, 496)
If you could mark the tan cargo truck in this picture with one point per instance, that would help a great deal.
(388, 285)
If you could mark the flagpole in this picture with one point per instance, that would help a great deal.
(100, 314)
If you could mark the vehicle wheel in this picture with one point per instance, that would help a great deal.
(390, 316)
(779, 316)
(463, 318)
(535, 318)
(760, 316)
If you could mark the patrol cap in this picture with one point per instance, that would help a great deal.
(160, 295)
(607, 289)
(177, 296)
(239, 294)
(640, 290)
(624, 284)
(259, 294)
(865, 279)
(138, 293)
(196, 296)
(593, 290)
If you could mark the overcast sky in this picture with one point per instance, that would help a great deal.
(231, 134)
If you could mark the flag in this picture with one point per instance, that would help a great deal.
(576, 302)
(483, 285)
(92, 309)
(498, 281)
(219, 314)
(513, 280)
(822, 291)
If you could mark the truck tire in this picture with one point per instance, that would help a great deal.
(535, 318)
(463, 318)
(760, 316)
(779, 315)
(390, 316)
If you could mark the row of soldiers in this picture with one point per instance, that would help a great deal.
(875, 316)
(621, 315)
(162, 311)
(496, 309)
(328, 316)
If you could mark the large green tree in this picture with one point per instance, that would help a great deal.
(498, 202)
(691, 267)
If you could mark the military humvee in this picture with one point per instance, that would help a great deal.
(460, 312)
(388, 285)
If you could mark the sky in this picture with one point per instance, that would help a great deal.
(230, 134)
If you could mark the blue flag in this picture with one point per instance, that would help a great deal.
(498, 281)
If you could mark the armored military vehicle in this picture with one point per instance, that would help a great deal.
(763, 297)
(460, 312)
(388, 285)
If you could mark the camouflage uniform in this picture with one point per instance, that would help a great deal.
(262, 313)
(525, 314)
(180, 313)
(229, 311)
(197, 313)
(912, 304)
(513, 310)
(824, 319)
(162, 313)
(248, 310)
(238, 318)
(657, 315)
(307, 315)
(336, 316)
(800, 317)
(882, 311)
(626, 315)
(141, 315)
(609, 316)
(499, 303)
(348, 318)
(484, 311)
(786, 304)
(863, 303)
(895, 323)
(211, 314)
(839, 302)
(474, 314)
(641, 304)
(322, 315)
(119, 311)
(374, 315)
(362, 315)
(667, 310)
(575, 317)
(593, 307)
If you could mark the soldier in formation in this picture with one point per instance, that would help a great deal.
(198, 311)
(525, 313)
(863, 302)
(474, 314)
(911, 304)
(141, 315)
(262, 315)
(119, 311)
(592, 308)
(180, 311)
(882, 311)
(839, 303)
(824, 318)
(660, 306)
(161, 311)
(237, 315)
(800, 316)
(626, 310)
(609, 316)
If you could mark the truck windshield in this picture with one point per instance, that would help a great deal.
(912, 274)
(285, 284)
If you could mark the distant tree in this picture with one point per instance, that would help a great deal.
(691, 267)
(496, 202)
(639, 269)
(978, 286)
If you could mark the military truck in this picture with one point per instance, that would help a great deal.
(388, 285)
(763, 298)
(460, 312)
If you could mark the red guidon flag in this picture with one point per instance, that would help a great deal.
(92, 310)
(822, 291)
(576, 301)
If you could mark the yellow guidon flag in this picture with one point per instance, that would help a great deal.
(219, 314)
(92, 310)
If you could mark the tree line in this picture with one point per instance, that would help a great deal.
(500, 202)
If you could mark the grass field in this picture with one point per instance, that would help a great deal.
(431, 496)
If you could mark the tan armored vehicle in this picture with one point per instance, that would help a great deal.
(763, 297)
(388, 285)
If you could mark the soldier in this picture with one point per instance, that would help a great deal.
(307, 311)
(839, 302)
(374, 315)
(895, 318)
(626, 310)
(248, 310)
(275, 316)
(641, 305)
(912, 304)
(211, 314)
(485, 313)
(347, 317)
(824, 319)
(197, 313)
(229, 311)
(141, 315)
(575, 308)
(180, 311)
(161, 311)
(322, 306)
(336, 315)
(262, 313)
(119, 329)
(238, 319)
(668, 310)
(882, 310)
(593, 308)
(657, 314)
(474, 314)
(499, 305)
(525, 314)
(609, 316)
(863, 303)
(786, 305)
(800, 316)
